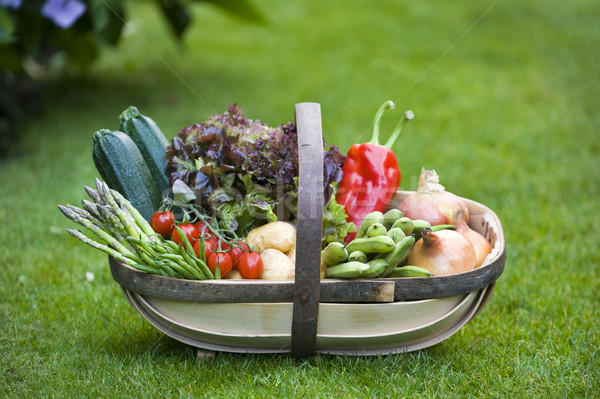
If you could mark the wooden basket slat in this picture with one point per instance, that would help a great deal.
(247, 291)
(482, 220)
(308, 229)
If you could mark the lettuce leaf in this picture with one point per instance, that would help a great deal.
(335, 224)
(242, 171)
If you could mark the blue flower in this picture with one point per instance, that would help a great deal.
(63, 13)
(10, 3)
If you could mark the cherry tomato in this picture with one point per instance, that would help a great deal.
(250, 265)
(222, 260)
(224, 245)
(202, 227)
(163, 222)
(190, 232)
(210, 247)
(237, 251)
(235, 254)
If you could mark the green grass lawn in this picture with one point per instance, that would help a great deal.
(506, 99)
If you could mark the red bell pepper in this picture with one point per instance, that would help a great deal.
(371, 174)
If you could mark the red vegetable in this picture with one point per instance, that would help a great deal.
(163, 223)
(210, 247)
(370, 175)
(250, 265)
(204, 230)
(221, 260)
(190, 232)
(236, 252)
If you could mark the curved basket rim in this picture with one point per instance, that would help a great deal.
(404, 289)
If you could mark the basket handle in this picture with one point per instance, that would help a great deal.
(309, 226)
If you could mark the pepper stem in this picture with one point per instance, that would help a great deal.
(408, 115)
(384, 107)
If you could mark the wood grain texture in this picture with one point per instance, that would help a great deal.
(330, 290)
(309, 225)
(348, 329)
(247, 291)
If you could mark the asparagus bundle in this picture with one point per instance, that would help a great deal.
(122, 232)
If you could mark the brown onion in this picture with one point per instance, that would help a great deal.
(442, 252)
(431, 202)
(481, 245)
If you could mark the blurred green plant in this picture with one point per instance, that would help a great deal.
(41, 39)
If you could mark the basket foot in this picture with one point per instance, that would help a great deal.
(203, 354)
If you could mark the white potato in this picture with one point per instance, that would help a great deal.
(276, 265)
(275, 235)
(235, 275)
(292, 254)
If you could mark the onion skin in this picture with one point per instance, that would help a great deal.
(431, 202)
(443, 253)
(422, 206)
(481, 245)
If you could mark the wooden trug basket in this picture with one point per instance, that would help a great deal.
(308, 315)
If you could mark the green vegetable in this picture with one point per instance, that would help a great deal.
(404, 223)
(335, 224)
(123, 233)
(399, 254)
(243, 171)
(347, 270)
(376, 229)
(371, 218)
(151, 142)
(396, 234)
(376, 267)
(334, 253)
(439, 227)
(379, 244)
(419, 225)
(410, 271)
(390, 217)
(358, 256)
(122, 166)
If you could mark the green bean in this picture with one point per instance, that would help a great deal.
(179, 260)
(167, 270)
(159, 246)
(143, 244)
(182, 269)
(443, 227)
(184, 239)
(200, 265)
(146, 268)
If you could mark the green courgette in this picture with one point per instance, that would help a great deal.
(151, 142)
(123, 168)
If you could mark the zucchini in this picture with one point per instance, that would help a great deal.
(151, 142)
(123, 168)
